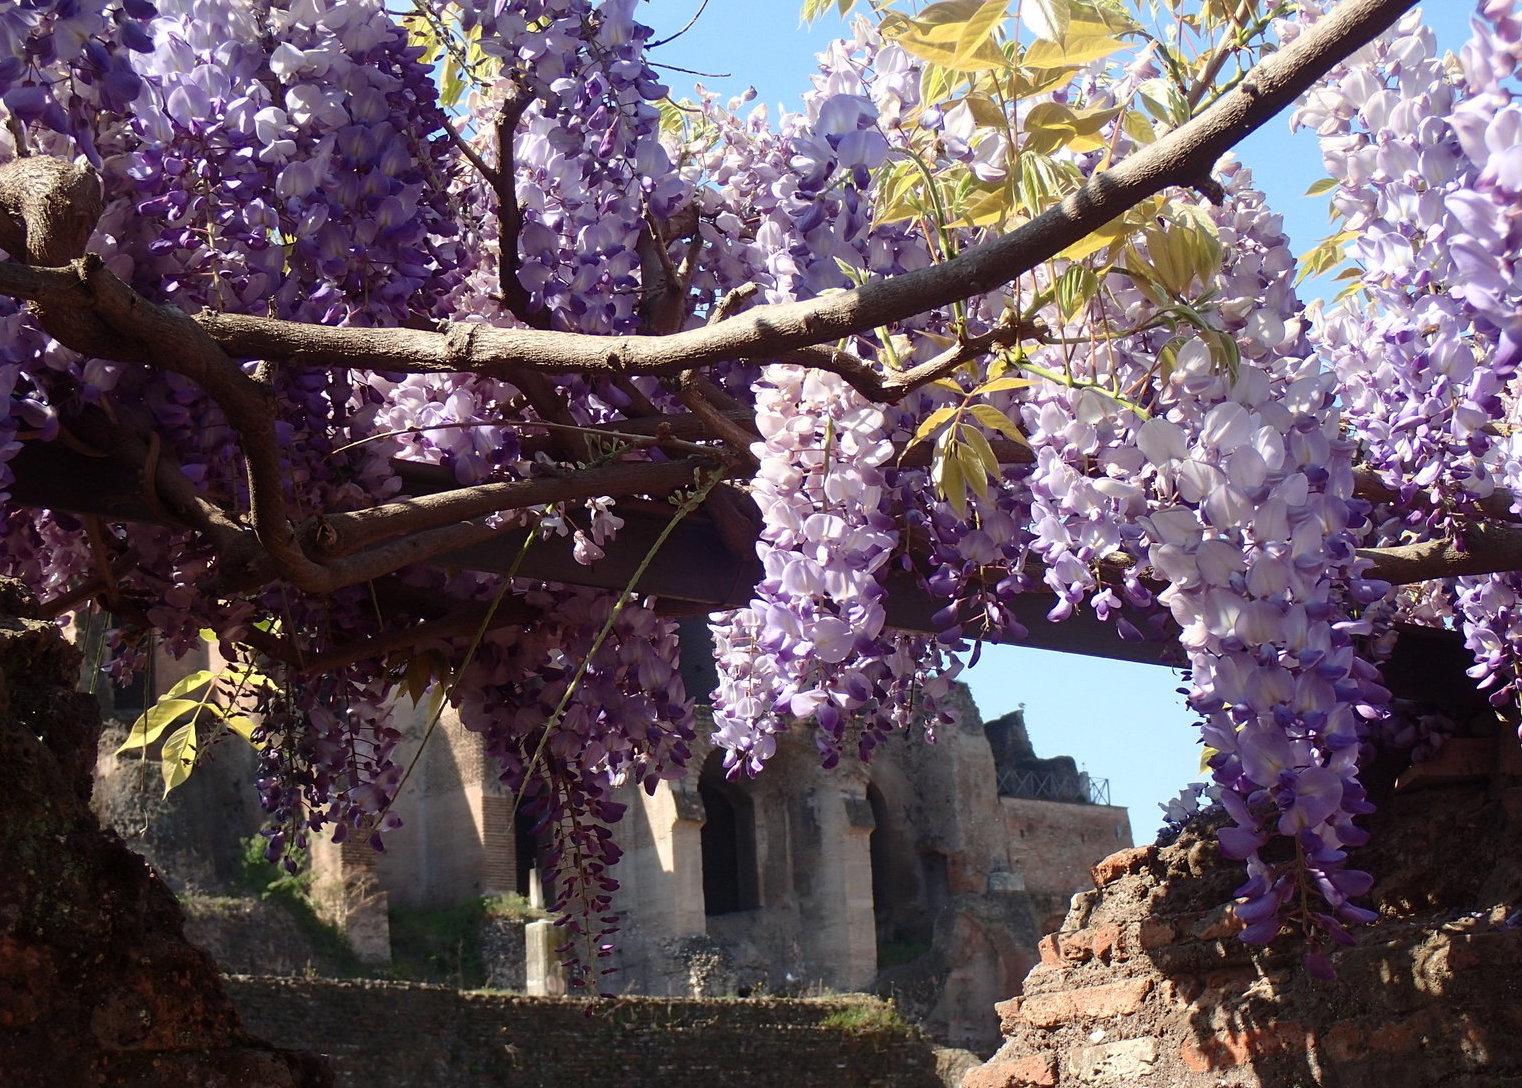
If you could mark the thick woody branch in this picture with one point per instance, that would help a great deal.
(504, 183)
(465, 622)
(766, 332)
(1485, 549)
(335, 535)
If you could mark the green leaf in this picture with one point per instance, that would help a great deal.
(199, 678)
(179, 756)
(155, 720)
(996, 420)
(1073, 290)
(242, 726)
(1325, 185)
(932, 423)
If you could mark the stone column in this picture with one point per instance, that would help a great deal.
(660, 896)
(832, 876)
(542, 974)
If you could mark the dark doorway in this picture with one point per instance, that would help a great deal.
(729, 842)
(525, 850)
(903, 924)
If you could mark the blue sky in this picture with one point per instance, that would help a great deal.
(1120, 721)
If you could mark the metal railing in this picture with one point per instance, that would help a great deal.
(1078, 789)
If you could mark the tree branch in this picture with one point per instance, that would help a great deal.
(504, 183)
(1485, 549)
(467, 621)
(768, 332)
(334, 535)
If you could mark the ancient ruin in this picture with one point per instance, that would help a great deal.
(929, 874)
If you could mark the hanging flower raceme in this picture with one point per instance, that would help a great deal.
(1426, 155)
(819, 618)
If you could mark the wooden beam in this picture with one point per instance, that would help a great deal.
(694, 573)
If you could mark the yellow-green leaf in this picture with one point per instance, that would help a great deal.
(179, 756)
(936, 35)
(1073, 290)
(242, 726)
(978, 31)
(972, 468)
(451, 84)
(1325, 185)
(1325, 256)
(1072, 51)
(1001, 385)
(986, 112)
(419, 676)
(155, 720)
(946, 474)
(978, 444)
(199, 678)
(245, 676)
(932, 423)
(996, 420)
(1046, 18)
(988, 209)
(1106, 236)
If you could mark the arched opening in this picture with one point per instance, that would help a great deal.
(903, 925)
(728, 841)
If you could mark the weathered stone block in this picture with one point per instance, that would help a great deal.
(1050, 949)
(1110, 1062)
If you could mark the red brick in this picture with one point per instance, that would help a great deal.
(1085, 944)
(1051, 950)
(1027, 1071)
(1121, 863)
(1353, 1039)
(1089, 1003)
(1009, 1014)
(1233, 1048)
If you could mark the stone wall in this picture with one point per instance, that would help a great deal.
(1146, 984)
(1052, 844)
(393, 1035)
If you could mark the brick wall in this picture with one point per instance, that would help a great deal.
(1053, 844)
(393, 1035)
(1145, 984)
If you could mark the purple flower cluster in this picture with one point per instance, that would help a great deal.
(1428, 160)
(1191, 449)
(819, 616)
